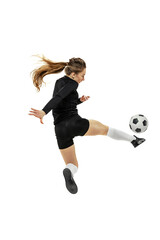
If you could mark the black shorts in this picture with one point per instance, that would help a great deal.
(69, 128)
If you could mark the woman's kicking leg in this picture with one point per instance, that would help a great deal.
(97, 128)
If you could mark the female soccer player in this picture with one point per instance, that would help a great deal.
(68, 123)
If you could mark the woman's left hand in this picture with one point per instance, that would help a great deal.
(84, 98)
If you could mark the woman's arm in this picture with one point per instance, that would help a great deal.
(63, 92)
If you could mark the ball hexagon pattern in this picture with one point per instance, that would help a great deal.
(138, 123)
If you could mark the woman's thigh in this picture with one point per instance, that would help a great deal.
(96, 128)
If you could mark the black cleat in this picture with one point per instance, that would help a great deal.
(70, 183)
(137, 141)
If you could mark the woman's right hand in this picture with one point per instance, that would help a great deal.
(38, 113)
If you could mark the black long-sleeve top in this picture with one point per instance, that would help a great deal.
(65, 99)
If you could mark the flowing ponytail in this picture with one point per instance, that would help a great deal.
(74, 65)
(48, 68)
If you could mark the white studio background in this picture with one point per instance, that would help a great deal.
(118, 195)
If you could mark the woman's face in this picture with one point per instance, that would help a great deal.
(80, 76)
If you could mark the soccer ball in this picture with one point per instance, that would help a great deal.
(138, 123)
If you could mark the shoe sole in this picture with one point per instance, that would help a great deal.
(70, 183)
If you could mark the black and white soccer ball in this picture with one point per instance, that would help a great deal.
(138, 123)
